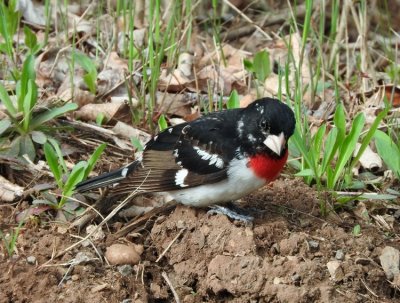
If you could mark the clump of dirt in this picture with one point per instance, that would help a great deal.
(282, 257)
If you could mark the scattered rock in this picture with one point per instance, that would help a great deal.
(278, 280)
(313, 245)
(296, 278)
(75, 277)
(390, 259)
(125, 270)
(119, 254)
(31, 260)
(363, 261)
(98, 233)
(339, 255)
(335, 270)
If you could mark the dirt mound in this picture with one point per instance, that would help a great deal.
(289, 254)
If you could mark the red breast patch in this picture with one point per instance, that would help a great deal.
(266, 167)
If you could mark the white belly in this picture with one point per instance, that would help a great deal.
(241, 181)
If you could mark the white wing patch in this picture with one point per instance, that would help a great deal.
(180, 177)
(213, 159)
(251, 138)
(124, 172)
(240, 126)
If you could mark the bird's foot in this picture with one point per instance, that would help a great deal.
(233, 214)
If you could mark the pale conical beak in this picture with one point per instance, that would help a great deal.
(275, 143)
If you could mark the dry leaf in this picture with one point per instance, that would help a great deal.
(130, 132)
(32, 12)
(369, 159)
(90, 112)
(9, 191)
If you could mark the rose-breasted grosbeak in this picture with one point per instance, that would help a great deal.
(217, 158)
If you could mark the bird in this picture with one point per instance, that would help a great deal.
(215, 159)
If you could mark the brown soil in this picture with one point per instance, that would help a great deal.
(282, 257)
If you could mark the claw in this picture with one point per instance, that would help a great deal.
(218, 209)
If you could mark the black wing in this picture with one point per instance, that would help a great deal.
(186, 155)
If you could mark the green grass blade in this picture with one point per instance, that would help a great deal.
(330, 150)
(93, 159)
(74, 178)
(51, 159)
(27, 107)
(5, 98)
(347, 148)
(233, 101)
(162, 123)
(51, 114)
(389, 151)
(59, 154)
(367, 138)
(28, 74)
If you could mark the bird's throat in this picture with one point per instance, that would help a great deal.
(266, 167)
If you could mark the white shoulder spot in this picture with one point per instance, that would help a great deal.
(251, 138)
(180, 177)
(124, 172)
(170, 130)
(155, 138)
(240, 126)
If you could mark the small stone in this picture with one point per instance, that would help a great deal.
(363, 261)
(278, 280)
(31, 260)
(125, 270)
(296, 279)
(275, 249)
(127, 301)
(390, 259)
(335, 270)
(96, 232)
(313, 245)
(180, 224)
(119, 254)
(339, 255)
(75, 277)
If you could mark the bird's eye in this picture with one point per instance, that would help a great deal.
(264, 124)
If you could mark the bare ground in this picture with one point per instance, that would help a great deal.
(282, 257)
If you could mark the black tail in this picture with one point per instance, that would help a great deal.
(107, 179)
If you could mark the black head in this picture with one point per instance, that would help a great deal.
(265, 126)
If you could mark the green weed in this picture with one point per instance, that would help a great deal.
(24, 125)
(67, 179)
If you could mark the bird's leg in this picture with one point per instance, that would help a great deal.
(232, 211)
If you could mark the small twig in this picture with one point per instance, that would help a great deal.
(369, 289)
(106, 219)
(170, 244)
(248, 19)
(167, 280)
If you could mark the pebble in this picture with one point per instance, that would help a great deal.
(119, 254)
(335, 270)
(125, 270)
(390, 259)
(296, 279)
(98, 233)
(75, 277)
(278, 280)
(339, 255)
(313, 245)
(31, 260)
(363, 261)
